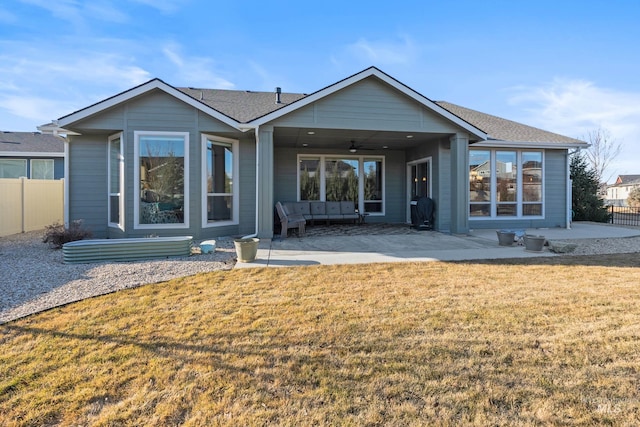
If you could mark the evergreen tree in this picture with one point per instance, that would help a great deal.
(586, 204)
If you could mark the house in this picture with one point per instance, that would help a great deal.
(158, 159)
(618, 192)
(32, 155)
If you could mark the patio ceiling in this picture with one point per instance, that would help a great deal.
(340, 139)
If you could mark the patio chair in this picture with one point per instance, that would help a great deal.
(290, 220)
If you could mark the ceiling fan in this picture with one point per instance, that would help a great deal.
(353, 148)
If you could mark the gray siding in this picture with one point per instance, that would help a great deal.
(88, 182)
(247, 187)
(368, 104)
(396, 203)
(555, 188)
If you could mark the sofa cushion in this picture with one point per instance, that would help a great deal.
(302, 208)
(348, 209)
(317, 208)
(333, 210)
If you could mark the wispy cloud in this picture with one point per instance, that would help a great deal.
(38, 86)
(164, 6)
(385, 52)
(575, 107)
(194, 70)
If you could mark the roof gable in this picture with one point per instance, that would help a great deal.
(370, 72)
(144, 88)
(628, 179)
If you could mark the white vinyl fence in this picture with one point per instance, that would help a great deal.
(30, 204)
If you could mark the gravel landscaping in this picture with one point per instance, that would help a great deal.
(33, 277)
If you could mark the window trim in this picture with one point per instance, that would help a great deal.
(520, 196)
(235, 194)
(136, 180)
(361, 159)
(121, 192)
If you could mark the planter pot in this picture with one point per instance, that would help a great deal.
(534, 243)
(506, 238)
(246, 249)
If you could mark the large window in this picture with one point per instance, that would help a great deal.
(42, 168)
(220, 172)
(13, 168)
(332, 178)
(162, 160)
(116, 182)
(505, 183)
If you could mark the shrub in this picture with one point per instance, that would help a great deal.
(634, 198)
(56, 235)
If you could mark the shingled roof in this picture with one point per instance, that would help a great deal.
(30, 142)
(246, 106)
(627, 180)
(503, 129)
(241, 105)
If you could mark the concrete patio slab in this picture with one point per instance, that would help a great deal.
(417, 246)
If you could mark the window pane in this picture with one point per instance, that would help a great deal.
(161, 179)
(372, 185)
(219, 208)
(342, 180)
(479, 177)
(114, 166)
(309, 179)
(114, 209)
(419, 180)
(13, 168)
(219, 167)
(506, 176)
(480, 209)
(42, 169)
(532, 177)
(507, 209)
(532, 210)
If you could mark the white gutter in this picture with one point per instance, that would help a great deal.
(248, 236)
(511, 144)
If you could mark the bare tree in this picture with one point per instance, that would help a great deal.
(603, 150)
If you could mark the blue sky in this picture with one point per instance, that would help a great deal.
(565, 66)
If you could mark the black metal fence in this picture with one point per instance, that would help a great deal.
(624, 215)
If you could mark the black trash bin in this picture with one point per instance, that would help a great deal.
(422, 213)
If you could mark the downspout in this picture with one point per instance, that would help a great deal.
(65, 187)
(255, 234)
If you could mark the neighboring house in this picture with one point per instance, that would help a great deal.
(32, 155)
(618, 192)
(158, 159)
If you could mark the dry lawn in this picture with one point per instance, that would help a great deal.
(476, 343)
